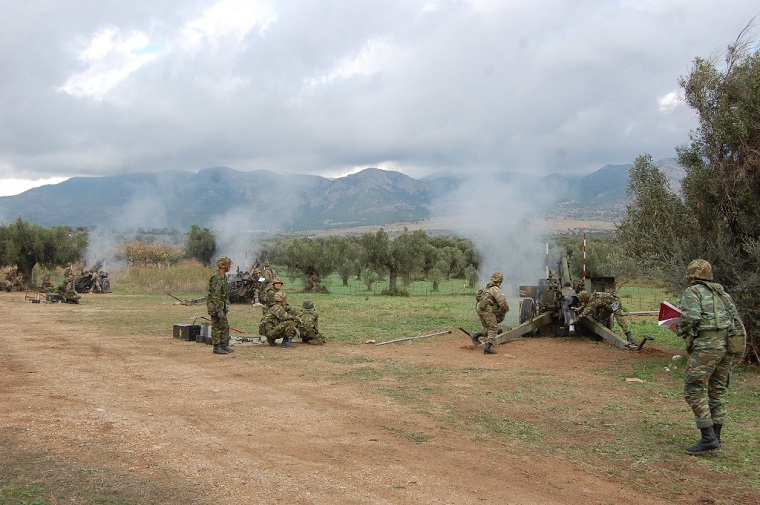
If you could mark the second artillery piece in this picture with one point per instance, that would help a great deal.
(93, 280)
(549, 308)
(244, 287)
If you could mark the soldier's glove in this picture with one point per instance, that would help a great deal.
(220, 314)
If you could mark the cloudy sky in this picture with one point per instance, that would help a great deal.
(99, 87)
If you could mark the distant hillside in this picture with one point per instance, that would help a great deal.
(266, 200)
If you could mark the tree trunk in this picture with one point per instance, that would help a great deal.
(392, 281)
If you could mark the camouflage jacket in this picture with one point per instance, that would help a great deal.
(703, 308)
(267, 298)
(276, 315)
(493, 300)
(600, 299)
(309, 319)
(218, 299)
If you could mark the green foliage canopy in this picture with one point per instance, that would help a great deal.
(27, 244)
(200, 244)
(717, 214)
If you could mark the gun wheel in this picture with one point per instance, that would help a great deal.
(527, 309)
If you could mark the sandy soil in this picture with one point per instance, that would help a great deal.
(271, 425)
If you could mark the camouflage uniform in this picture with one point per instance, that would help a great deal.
(269, 293)
(278, 322)
(491, 308)
(68, 278)
(309, 327)
(611, 305)
(217, 304)
(707, 315)
(269, 274)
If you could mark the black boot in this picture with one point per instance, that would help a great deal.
(287, 343)
(716, 430)
(629, 337)
(226, 346)
(218, 349)
(708, 443)
(476, 338)
(488, 349)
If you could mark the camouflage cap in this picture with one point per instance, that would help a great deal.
(584, 296)
(699, 269)
(497, 277)
(277, 280)
(308, 305)
(280, 296)
(266, 263)
(223, 261)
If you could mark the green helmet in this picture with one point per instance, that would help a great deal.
(277, 280)
(584, 296)
(308, 305)
(497, 277)
(699, 269)
(280, 296)
(223, 262)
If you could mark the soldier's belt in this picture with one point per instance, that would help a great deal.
(713, 333)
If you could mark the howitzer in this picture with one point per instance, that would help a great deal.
(243, 287)
(550, 307)
(86, 281)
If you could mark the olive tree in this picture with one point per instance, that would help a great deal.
(25, 245)
(716, 216)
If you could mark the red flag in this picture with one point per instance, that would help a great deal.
(669, 313)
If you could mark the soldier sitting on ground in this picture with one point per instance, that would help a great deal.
(309, 327)
(279, 323)
(609, 304)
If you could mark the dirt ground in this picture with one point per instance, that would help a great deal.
(272, 425)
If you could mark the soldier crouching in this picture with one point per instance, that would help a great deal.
(278, 322)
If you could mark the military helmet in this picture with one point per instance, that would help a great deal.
(266, 264)
(223, 261)
(699, 269)
(277, 280)
(280, 296)
(584, 296)
(497, 277)
(308, 305)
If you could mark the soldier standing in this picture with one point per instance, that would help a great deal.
(707, 315)
(610, 304)
(269, 274)
(217, 303)
(492, 307)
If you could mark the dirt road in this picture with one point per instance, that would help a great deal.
(315, 424)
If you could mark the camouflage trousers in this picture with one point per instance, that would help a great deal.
(309, 334)
(283, 329)
(220, 330)
(706, 379)
(490, 325)
(619, 318)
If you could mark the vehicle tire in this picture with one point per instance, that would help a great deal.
(106, 285)
(526, 310)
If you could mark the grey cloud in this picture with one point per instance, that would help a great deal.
(423, 86)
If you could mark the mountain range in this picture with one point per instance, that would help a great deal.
(264, 200)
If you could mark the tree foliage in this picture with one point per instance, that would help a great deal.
(717, 214)
(200, 244)
(26, 245)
